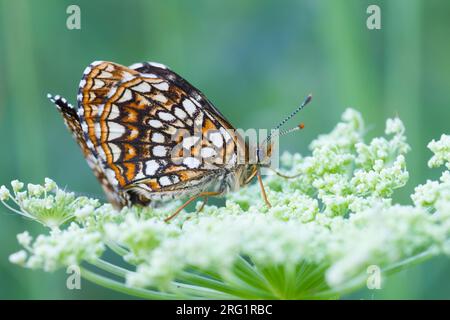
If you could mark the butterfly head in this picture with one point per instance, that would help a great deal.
(265, 149)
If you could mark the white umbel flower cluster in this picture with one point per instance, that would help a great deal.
(324, 228)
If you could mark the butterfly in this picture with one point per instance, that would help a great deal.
(149, 135)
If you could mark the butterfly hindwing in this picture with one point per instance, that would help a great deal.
(72, 122)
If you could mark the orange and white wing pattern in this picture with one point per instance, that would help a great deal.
(138, 122)
(72, 122)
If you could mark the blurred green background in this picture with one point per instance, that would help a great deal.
(256, 60)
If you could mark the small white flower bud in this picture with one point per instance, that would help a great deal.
(4, 193)
(19, 257)
(16, 185)
(24, 239)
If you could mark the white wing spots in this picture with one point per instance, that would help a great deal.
(140, 175)
(159, 151)
(105, 75)
(134, 132)
(115, 151)
(109, 68)
(98, 84)
(142, 87)
(151, 166)
(100, 109)
(49, 96)
(126, 96)
(96, 63)
(166, 116)
(216, 138)
(126, 76)
(136, 66)
(165, 181)
(191, 162)
(79, 97)
(199, 120)
(197, 96)
(87, 70)
(115, 130)
(155, 123)
(149, 75)
(111, 176)
(158, 137)
(225, 134)
(102, 154)
(160, 98)
(97, 130)
(170, 130)
(58, 100)
(163, 86)
(180, 113)
(91, 96)
(168, 180)
(207, 152)
(189, 142)
(114, 112)
(157, 64)
(82, 83)
(90, 144)
(196, 99)
(189, 107)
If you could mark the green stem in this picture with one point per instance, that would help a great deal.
(197, 287)
(359, 281)
(197, 279)
(117, 249)
(122, 288)
(189, 291)
(111, 268)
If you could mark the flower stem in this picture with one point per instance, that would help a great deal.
(109, 267)
(123, 288)
(359, 281)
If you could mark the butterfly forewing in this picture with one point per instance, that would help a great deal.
(138, 122)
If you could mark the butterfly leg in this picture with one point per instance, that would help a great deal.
(205, 201)
(201, 194)
(283, 175)
(263, 191)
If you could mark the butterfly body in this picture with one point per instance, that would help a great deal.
(149, 135)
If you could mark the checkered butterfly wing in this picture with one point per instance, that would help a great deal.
(138, 121)
(72, 122)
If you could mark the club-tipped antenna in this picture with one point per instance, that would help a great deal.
(304, 103)
(296, 128)
(279, 134)
(300, 126)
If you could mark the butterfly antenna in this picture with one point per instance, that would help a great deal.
(285, 132)
(289, 117)
(304, 103)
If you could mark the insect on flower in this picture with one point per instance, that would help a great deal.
(149, 135)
